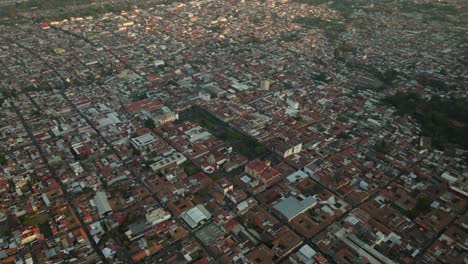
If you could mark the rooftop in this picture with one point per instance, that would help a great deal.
(291, 206)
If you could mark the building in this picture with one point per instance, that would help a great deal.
(195, 216)
(213, 90)
(102, 204)
(262, 171)
(157, 216)
(45, 199)
(297, 176)
(362, 248)
(260, 255)
(81, 149)
(166, 116)
(110, 119)
(306, 254)
(224, 186)
(160, 116)
(265, 85)
(245, 206)
(291, 206)
(142, 141)
(174, 158)
(44, 25)
(312, 168)
(148, 105)
(204, 95)
(286, 148)
(292, 104)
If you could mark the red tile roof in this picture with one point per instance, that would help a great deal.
(202, 261)
(257, 165)
(145, 104)
(269, 174)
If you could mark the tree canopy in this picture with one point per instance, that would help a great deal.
(445, 120)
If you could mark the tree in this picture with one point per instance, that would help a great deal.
(11, 11)
(423, 205)
(149, 123)
(203, 192)
(389, 76)
(260, 150)
(312, 213)
(381, 147)
(136, 152)
(3, 159)
(346, 47)
(344, 135)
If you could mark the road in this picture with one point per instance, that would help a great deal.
(139, 179)
(67, 196)
(142, 180)
(435, 238)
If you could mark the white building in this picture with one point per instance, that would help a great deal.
(168, 160)
(204, 95)
(157, 216)
(287, 149)
(306, 254)
(265, 85)
(297, 176)
(142, 141)
(292, 104)
(195, 216)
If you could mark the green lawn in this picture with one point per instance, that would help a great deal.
(190, 168)
(40, 220)
(36, 219)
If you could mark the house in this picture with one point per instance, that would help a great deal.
(245, 206)
(224, 186)
(262, 171)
